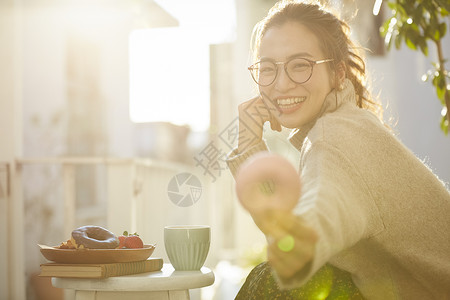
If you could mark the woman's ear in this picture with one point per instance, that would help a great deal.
(340, 75)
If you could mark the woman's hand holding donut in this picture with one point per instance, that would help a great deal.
(291, 243)
(268, 186)
(252, 116)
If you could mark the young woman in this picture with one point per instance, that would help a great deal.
(368, 207)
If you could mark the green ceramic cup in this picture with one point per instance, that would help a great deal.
(187, 246)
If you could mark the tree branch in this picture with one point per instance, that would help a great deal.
(442, 70)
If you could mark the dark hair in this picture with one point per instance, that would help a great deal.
(334, 38)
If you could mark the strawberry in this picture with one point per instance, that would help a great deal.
(133, 241)
(121, 241)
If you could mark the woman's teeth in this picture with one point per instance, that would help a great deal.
(290, 101)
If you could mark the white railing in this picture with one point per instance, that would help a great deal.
(131, 185)
(4, 195)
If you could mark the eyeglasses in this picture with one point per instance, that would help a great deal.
(299, 70)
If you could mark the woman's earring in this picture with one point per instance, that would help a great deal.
(340, 87)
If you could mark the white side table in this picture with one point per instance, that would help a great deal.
(165, 284)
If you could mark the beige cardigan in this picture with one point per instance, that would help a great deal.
(380, 213)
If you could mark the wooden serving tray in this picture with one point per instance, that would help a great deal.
(95, 256)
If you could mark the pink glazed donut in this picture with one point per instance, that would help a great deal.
(267, 181)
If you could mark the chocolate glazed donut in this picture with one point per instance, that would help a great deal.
(94, 237)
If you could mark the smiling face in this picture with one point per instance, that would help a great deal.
(296, 104)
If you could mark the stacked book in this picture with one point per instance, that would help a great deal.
(101, 270)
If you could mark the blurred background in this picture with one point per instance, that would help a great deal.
(103, 102)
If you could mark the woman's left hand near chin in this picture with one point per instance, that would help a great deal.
(291, 243)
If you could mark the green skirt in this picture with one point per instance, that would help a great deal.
(328, 283)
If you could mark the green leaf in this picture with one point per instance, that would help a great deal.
(434, 27)
(437, 35)
(428, 32)
(429, 5)
(444, 4)
(413, 26)
(444, 12)
(408, 9)
(418, 14)
(435, 65)
(392, 5)
(440, 93)
(439, 84)
(442, 29)
(384, 29)
(410, 44)
(401, 10)
(441, 81)
(423, 47)
(411, 37)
